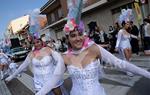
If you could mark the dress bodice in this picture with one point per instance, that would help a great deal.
(86, 80)
(125, 37)
(43, 71)
(123, 40)
(42, 66)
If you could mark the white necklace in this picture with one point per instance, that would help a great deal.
(77, 52)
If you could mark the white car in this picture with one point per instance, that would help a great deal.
(19, 53)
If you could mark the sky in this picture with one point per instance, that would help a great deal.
(12, 9)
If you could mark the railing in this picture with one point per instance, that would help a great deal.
(90, 2)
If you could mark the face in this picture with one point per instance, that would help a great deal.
(38, 44)
(76, 39)
(97, 29)
(127, 25)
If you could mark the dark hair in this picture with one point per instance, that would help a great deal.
(131, 22)
(123, 23)
(35, 38)
(146, 20)
(68, 43)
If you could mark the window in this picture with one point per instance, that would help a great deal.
(52, 17)
(117, 10)
(60, 13)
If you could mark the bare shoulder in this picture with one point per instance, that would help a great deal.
(94, 49)
(47, 49)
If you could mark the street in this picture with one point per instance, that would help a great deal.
(115, 81)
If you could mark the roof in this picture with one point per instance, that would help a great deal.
(18, 24)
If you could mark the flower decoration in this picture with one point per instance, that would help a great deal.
(70, 26)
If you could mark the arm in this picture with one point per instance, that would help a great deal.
(118, 38)
(57, 74)
(21, 67)
(6, 56)
(124, 65)
(133, 36)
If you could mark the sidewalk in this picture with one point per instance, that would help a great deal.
(3, 88)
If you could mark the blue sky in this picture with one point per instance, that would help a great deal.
(12, 9)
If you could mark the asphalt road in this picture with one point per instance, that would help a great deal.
(141, 87)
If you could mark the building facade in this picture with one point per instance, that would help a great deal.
(104, 12)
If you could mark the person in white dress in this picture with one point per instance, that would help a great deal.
(82, 63)
(45, 64)
(123, 45)
(4, 63)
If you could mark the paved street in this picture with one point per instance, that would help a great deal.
(115, 82)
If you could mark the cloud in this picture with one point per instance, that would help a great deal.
(35, 11)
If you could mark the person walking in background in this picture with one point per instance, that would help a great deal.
(123, 42)
(100, 37)
(147, 36)
(134, 41)
(4, 64)
(113, 38)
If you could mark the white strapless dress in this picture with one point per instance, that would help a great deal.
(86, 80)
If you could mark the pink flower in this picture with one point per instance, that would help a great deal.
(70, 26)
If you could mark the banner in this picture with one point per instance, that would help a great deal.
(138, 12)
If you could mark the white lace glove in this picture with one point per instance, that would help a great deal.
(121, 64)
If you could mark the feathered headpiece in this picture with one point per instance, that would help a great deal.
(126, 15)
(74, 16)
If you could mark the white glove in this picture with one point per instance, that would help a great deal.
(8, 79)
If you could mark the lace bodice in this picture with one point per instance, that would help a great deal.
(43, 70)
(42, 66)
(86, 80)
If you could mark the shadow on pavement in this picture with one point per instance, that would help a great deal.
(141, 87)
(17, 88)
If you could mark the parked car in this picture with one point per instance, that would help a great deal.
(18, 53)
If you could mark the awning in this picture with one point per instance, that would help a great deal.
(55, 23)
(18, 24)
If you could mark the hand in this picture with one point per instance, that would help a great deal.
(8, 79)
(138, 38)
(116, 49)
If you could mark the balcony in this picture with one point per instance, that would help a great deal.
(91, 4)
(50, 6)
